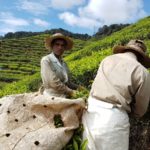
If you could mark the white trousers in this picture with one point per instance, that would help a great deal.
(105, 127)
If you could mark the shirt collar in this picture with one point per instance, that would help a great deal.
(55, 59)
(130, 54)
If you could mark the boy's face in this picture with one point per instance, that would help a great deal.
(59, 47)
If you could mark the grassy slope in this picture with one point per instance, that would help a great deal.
(83, 62)
(86, 61)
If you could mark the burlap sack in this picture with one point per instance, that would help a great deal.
(27, 121)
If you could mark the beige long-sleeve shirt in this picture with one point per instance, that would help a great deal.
(123, 81)
(54, 76)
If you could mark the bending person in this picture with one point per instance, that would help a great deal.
(121, 86)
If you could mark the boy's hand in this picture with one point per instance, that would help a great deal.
(72, 94)
(80, 88)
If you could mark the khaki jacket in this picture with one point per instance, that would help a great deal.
(123, 81)
(55, 76)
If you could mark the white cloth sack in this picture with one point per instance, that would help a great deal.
(105, 127)
(27, 121)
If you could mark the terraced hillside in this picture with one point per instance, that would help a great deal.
(20, 65)
(20, 59)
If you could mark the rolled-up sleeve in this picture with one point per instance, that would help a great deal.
(142, 96)
(50, 80)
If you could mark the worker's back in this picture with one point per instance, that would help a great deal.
(118, 79)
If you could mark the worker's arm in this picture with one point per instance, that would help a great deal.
(142, 96)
